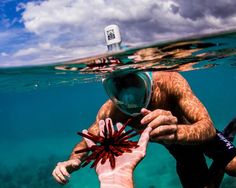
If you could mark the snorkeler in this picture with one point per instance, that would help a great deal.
(165, 102)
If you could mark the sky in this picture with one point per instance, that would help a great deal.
(40, 31)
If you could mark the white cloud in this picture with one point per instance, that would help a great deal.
(4, 54)
(84, 21)
(47, 53)
(90, 17)
(25, 52)
(74, 28)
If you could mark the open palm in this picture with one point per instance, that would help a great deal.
(127, 161)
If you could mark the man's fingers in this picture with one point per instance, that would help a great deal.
(119, 126)
(101, 125)
(145, 111)
(154, 114)
(75, 163)
(59, 177)
(163, 130)
(165, 138)
(144, 138)
(88, 141)
(164, 133)
(64, 171)
(109, 125)
(61, 173)
(163, 120)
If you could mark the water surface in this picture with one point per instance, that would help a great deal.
(42, 108)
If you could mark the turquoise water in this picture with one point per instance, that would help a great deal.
(38, 127)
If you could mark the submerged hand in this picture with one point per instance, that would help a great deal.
(125, 163)
(163, 123)
(62, 171)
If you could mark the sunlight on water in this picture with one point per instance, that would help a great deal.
(180, 55)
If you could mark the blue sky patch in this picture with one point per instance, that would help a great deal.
(34, 32)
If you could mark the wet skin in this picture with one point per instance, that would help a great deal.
(175, 115)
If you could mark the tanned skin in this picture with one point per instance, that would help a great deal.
(175, 114)
(171, 98)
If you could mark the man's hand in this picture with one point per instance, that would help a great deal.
(163, 124)
(125, 163)
(62, 171)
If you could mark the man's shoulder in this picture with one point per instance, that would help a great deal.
(170, 82)
(166, 76)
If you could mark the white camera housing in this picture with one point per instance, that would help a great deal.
(113, 37)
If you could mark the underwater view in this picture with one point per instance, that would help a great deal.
(43, 107)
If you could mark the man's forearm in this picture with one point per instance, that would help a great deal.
(82, 145)
(79, 146)
(196, 133)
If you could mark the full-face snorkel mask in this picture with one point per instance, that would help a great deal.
(129, 91)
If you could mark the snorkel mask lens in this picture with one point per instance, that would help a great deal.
(130, 92)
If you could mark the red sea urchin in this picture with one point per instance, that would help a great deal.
(109, 146)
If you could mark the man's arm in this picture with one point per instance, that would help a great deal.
(201, 128)
(62, 171)
(166, 127)
(82, 145)
(103, 113)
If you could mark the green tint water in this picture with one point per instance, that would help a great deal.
(38, 127)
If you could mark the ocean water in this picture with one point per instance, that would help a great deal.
(40, 115)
